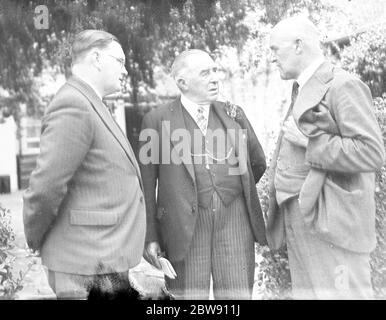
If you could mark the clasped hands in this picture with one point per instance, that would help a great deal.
(293, 134)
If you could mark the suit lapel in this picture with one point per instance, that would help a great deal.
(107, 119)
(313, 91)
(232, 129)
(228, 123)
(176, 122)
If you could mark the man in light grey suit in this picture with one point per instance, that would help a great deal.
(322, 172)
(84, 209)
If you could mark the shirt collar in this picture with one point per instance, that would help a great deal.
(192, 107)
(308, 72)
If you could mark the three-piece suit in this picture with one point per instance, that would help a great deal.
(205, 218)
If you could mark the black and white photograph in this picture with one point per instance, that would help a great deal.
(200, 150)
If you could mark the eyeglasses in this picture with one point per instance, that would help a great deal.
(119, 60)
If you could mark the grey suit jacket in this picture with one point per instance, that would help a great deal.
(84, 205)
(345, 148)
(171, 190)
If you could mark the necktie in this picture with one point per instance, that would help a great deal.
(110, 108)
(272, 167)
(294, 95)
(201, 120)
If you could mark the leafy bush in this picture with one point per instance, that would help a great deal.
(8, 284)
(273, 277)
(378, 256)
(6, 233)
(366, 56)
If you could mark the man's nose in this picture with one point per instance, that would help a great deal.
(214, 77)
(124, 71)
(273, 58)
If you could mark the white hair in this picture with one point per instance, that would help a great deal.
(182, 60)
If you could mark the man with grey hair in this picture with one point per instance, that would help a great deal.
(322, 171)
(203, 212)
(84, 209)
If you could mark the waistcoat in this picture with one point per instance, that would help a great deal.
(221, 157)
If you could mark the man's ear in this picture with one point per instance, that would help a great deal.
(181, 84)
(299, 46)
(95, 59)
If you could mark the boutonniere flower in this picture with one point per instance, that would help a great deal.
(232, 111)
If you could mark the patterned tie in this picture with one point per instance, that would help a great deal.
(294, 95)
(201, 120)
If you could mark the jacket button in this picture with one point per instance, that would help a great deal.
(193, 208)
(141, 199)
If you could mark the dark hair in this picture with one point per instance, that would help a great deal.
(89, 39)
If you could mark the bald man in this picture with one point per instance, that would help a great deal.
(322, 172)
(202, 206)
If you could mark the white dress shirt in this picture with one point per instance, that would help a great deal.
(192, 108)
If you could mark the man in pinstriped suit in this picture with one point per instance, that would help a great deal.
(84, 209)
(206, 215)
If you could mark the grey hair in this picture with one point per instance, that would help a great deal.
(180, 62)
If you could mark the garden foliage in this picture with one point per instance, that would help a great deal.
(366, 56)
(9, 285)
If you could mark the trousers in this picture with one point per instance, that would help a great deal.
(320, 270)
(222, 248)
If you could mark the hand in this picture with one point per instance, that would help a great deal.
(32, 252)
(151, 254)
(293, 134)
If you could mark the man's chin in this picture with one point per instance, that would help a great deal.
(114, 91)
(213, 96)
(285, 76)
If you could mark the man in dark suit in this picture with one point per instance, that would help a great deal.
(200, 161)
(322, 181)
(84, 208)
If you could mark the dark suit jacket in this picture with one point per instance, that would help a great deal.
(85, 204)
(345, 148)
(170, 188)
